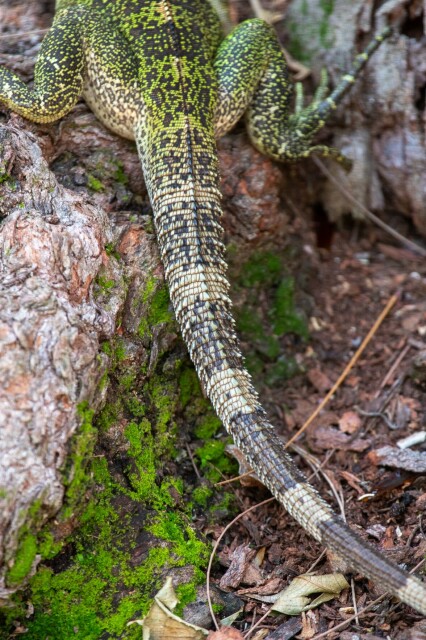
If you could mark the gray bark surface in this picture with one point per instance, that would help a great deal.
(381, 125)
(53, 317)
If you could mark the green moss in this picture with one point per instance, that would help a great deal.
(297, 42)
(250, 322)
(94, 184)
(324, 28)
(76, 474)
(111, 251)
(79, 602)
(262, 268)
(284, 316)
(104, 284)
(135, 406)
(120, 175)
(283, 369)
(24, 559)
(186, 593)
(189, 385)
(164, 397)
(208, 426)
(127, 381)
(47, 546)
(106, 348)
(119, 350)
(264, 326)
(211, 451)
(109, 414)
(213, 460)
(95, 588)
(143, 472)
(103, 382)
(201, 495)
(7, 179)
(225, 508)
(159, 311)
(185, 545)
(73, 602)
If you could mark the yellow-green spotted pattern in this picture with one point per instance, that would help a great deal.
(160, 72)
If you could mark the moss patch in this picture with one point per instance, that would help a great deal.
(158, 304)
(266, 326)
(94, 183)
(136, 526)
(76, 474)
(24, 559)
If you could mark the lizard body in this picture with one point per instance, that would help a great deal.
(159, 71)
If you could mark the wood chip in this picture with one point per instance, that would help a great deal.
(399, 458)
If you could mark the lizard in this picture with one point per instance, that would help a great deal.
(160, 72)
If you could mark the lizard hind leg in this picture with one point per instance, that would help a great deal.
(296, 142)
(58, 75)
(250, 58)
(253, 80)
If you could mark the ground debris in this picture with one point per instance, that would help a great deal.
(399, 458)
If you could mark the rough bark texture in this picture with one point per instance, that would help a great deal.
(382, 127)
(53, 316)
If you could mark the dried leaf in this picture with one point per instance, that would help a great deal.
(250, 480)
(226, 633)
(352, 481)
(229, 620)
(349, 422)
(294, 599)
(329, 438)
(319, 380)
(162, 624)
(376, 531)
(242, 569)
(269, 587)
(309, 628)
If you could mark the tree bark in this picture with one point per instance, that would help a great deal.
(381, 125)
(55, 311)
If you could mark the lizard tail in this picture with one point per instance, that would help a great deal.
(187, 211)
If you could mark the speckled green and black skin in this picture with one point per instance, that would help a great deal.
(159, 71)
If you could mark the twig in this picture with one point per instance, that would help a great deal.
(317, 561)
(393, 368)
(317, 467)
(228, 526)
(376, 414)
(354, 601)
(234, 478)
(368, 214)
(191, 457)
(363, 611)
(347, 369)
(261, 619)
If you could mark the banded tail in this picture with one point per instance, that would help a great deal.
(183, 185)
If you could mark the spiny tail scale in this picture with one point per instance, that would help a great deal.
(180, 166)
